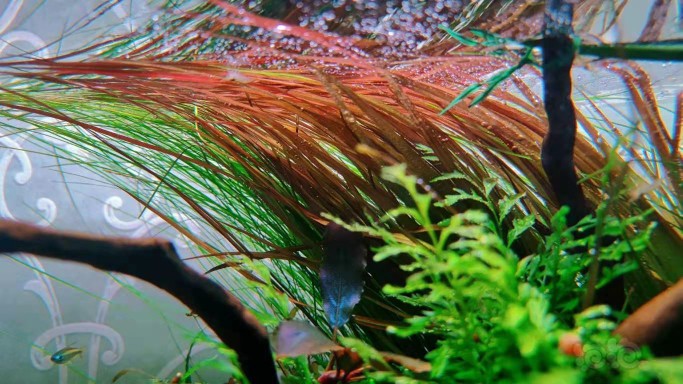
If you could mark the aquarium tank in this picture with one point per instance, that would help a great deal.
(341, 191)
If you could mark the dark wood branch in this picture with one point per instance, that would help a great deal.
(156, 261)
(557, 154)
(657, 324)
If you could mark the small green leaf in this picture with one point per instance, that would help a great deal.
(594, 312)
(563, 375)
(453, 199)
(455, 175)
(669, 370)
(457, 36)
(506, 204)
(489, 184)
(466, 92)
(519, 226)
(492, 84)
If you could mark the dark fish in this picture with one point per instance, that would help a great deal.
(65, 355)
(341, 273)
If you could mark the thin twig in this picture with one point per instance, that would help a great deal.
(600, 239)
(655, 20)
(656, 51)
(663, 50)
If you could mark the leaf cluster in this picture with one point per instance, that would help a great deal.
(499, 319)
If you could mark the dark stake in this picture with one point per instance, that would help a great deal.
(557, 154)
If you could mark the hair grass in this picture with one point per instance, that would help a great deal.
(254, 139)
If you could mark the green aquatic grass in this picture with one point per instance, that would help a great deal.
(257, 162)
(495, 318)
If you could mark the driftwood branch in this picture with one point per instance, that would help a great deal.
(156, 261)
(658, 323)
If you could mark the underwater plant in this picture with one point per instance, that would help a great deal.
(264, 121)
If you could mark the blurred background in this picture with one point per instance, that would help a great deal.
(120, 322)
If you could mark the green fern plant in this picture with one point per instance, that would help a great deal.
(256, 153)
(496, 318)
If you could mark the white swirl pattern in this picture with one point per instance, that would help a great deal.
(16, 168)
(143, 225)
(44, 204)
(11, 11)
(42, 287)
(110, 357)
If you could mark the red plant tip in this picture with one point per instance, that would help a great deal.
(331, 377)
(570, 345)
(340, 376)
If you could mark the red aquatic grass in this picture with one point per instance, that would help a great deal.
(294, 132)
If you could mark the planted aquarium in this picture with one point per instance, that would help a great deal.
(338, 191)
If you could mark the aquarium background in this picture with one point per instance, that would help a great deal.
(46, 304)
(121, 322)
